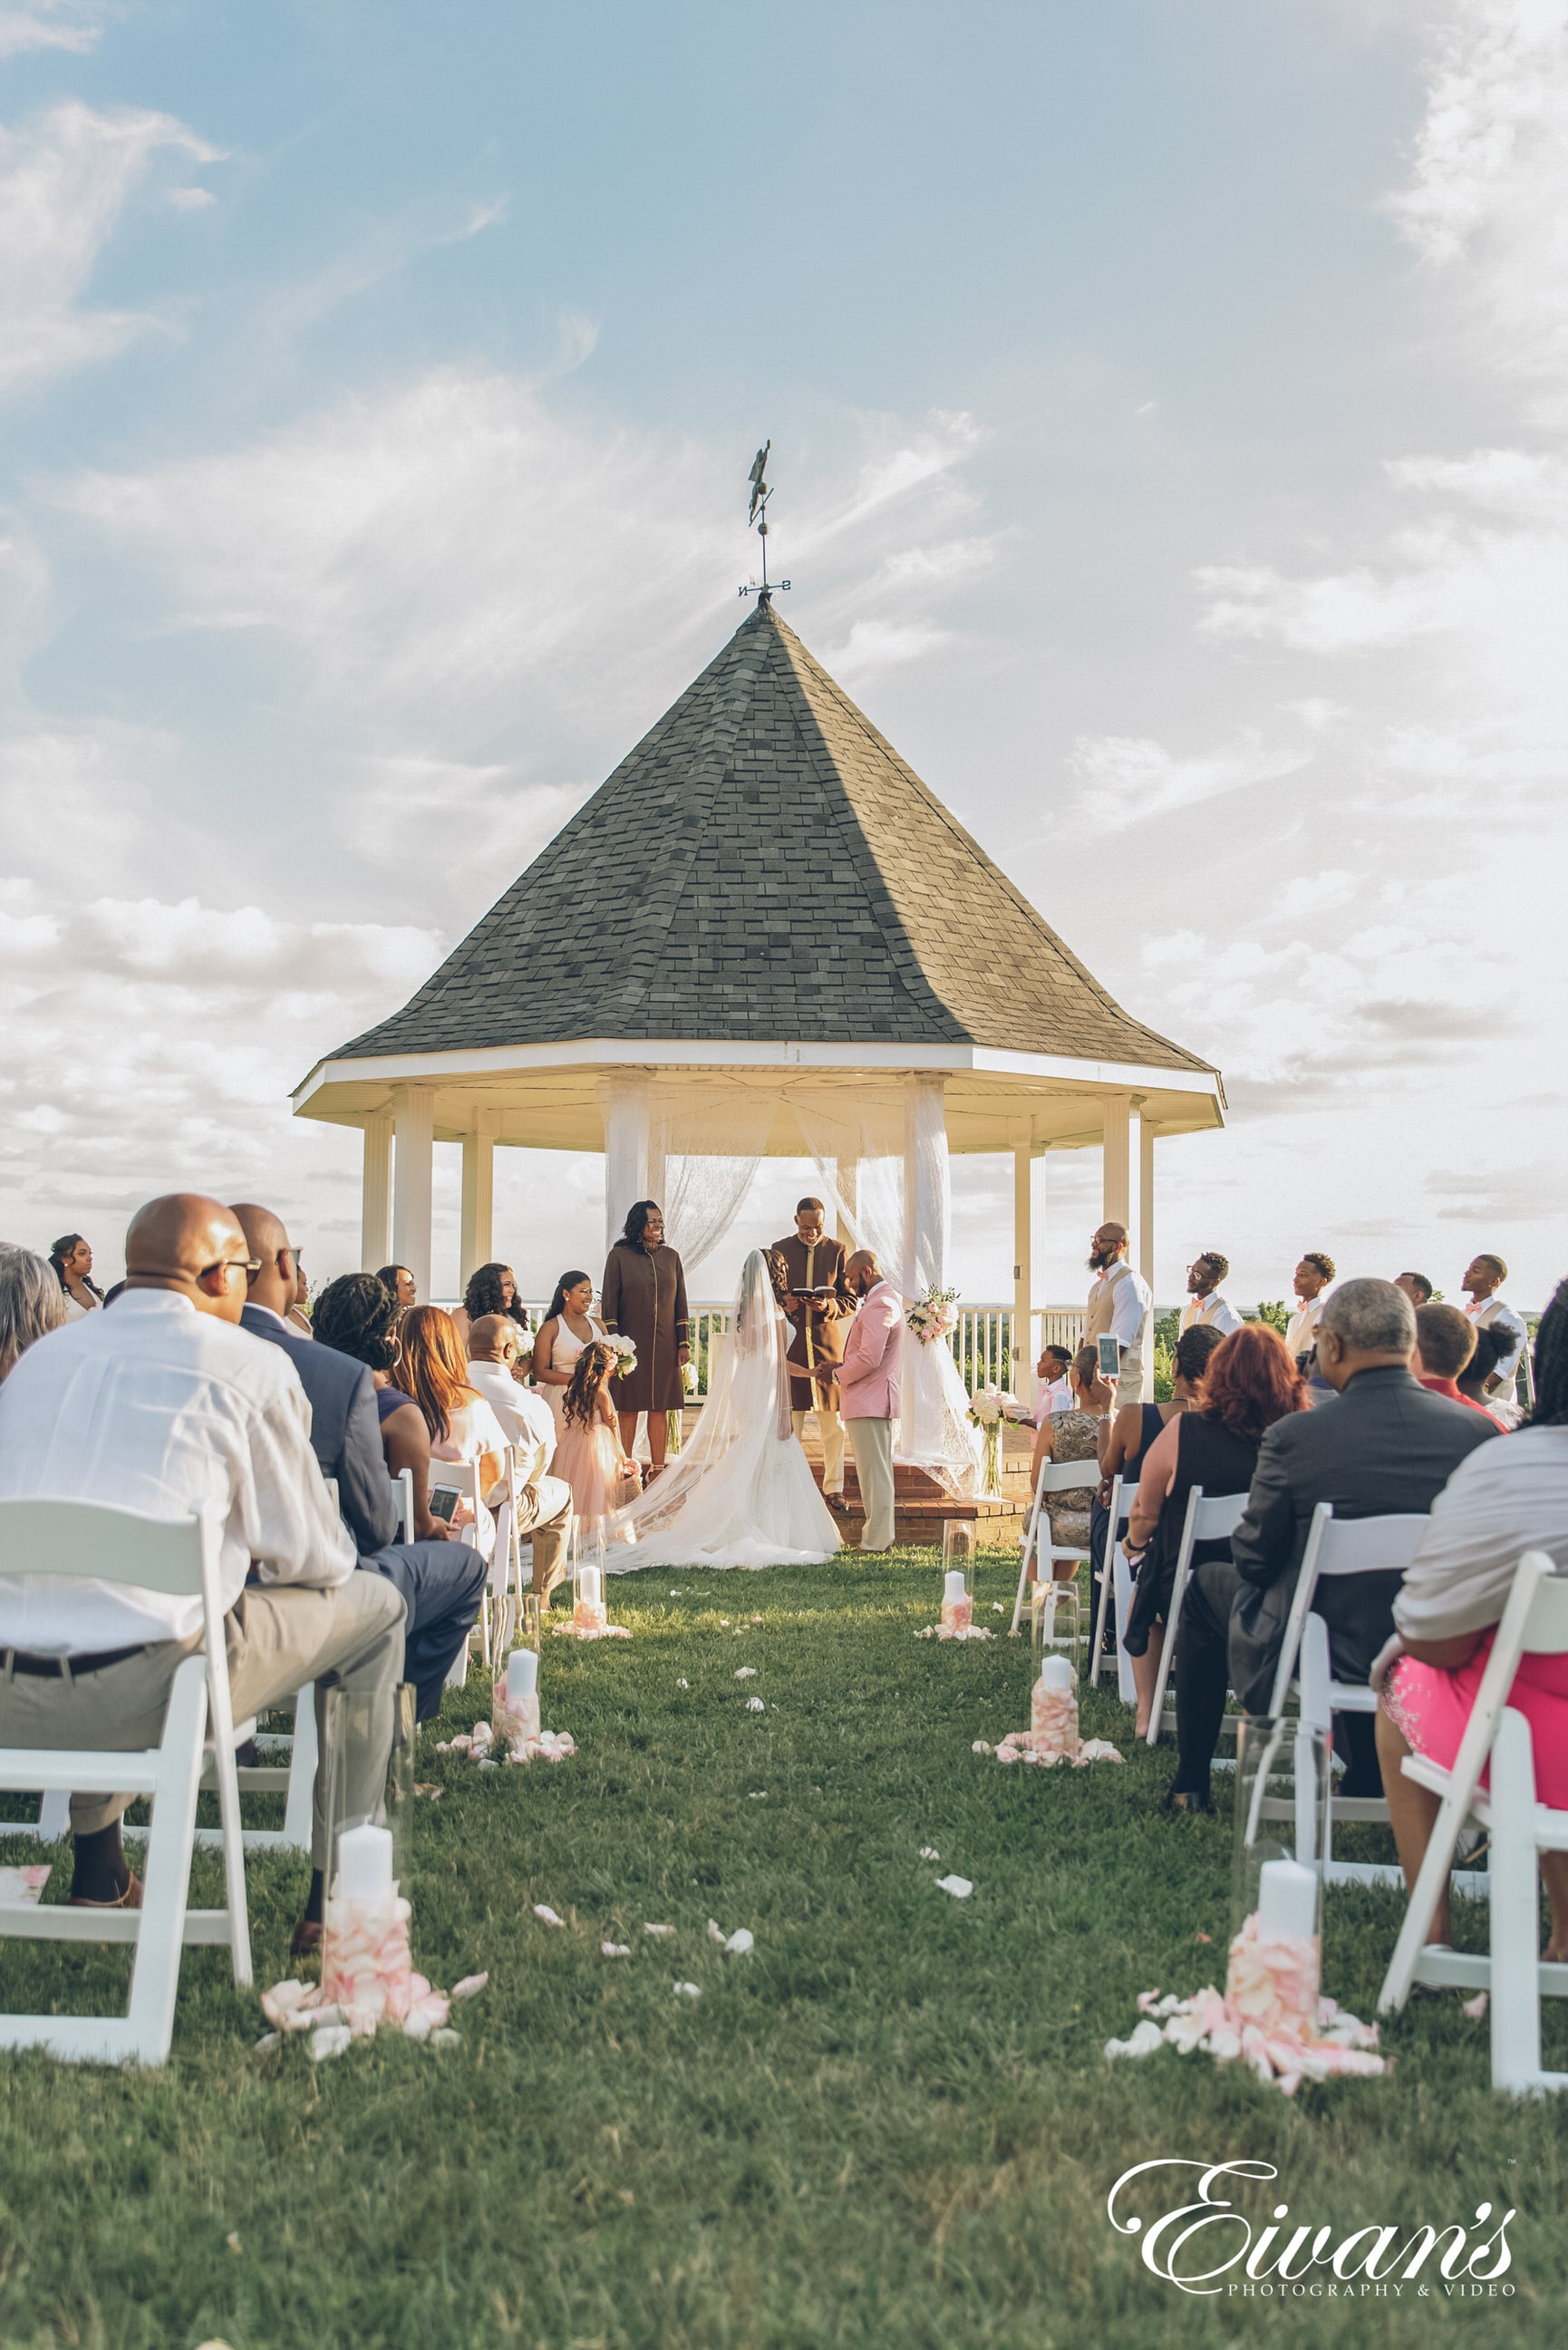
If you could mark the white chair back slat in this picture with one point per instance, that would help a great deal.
(1340, 1546)
(1212, 1517)
(1054, 1477)
(176, 1557)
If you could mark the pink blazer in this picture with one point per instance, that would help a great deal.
(868, 1375)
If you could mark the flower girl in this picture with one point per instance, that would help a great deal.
(589, 1455)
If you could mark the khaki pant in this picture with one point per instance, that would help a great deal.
(871, 1441)
(544, 1518)
(830, 1429)
(277, 1639)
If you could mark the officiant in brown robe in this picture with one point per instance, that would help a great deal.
(804, 1261)
(643, 1298)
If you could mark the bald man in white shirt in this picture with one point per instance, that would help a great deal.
(164, 1405)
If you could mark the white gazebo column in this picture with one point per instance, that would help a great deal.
(376, 1196)
(414, 1119)
(1023, 1381)
(1117, 1203)
(1145, 1134)
(623, 1099)
(927, 1205)
(477, 1243)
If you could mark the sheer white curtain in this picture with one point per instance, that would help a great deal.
(711, 1140)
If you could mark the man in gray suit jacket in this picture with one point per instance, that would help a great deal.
(1381, 1445)
(442, 1582)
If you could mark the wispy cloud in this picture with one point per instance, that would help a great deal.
(1125, 780)
(65, 178)
(75, 24)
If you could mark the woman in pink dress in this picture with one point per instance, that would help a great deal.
(1503, 1499)
(590, 1455)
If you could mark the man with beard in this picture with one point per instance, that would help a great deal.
(1121, 1307)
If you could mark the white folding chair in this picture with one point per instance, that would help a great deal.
(403, 1496)
(1055, 1477)
(1336, 1547)
(1210, 1518)
(1534, 1623)
(464, 1475)
(178, 1556)
(1116, 1577)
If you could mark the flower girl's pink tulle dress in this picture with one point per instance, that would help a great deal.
(589, 1460)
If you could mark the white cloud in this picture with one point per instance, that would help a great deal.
(65, 178)
(74, 25)
(1125, 780)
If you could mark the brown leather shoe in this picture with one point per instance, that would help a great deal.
(129, 1899)
(307, 1940)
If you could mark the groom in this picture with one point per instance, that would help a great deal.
(807, 1270)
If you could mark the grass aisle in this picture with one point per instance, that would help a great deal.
(892, 2124)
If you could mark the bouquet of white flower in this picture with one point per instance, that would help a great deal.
(625, 1351)
(988, 1409)
(988, 1406)
(932, 1316)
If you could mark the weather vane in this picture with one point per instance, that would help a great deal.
(758, 513)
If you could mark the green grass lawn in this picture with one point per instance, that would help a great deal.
(892, 2124)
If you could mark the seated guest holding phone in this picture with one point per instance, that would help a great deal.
(357, 1314)
(461, 1425)
(1500, 1502)
(164, 1405)
(1250, 1383)
(1129, 1438)
(442, 1582)
(1071, 1435)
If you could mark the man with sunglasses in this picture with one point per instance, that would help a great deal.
(166, 1406)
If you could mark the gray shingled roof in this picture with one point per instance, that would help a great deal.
(763, 867)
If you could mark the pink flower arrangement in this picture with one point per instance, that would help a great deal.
(958, 1615)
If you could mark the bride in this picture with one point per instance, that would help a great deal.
(740, 1492)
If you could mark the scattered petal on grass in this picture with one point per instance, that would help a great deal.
(929, 1851)
(543, 1909)
(688, 1991)
(435, 1792)
(616, 1950)
(418, 2026)
(959, 1887)
(741, 1940)
(981, 1747)
(1474, 2008)
(1203, 1937)
(446, 2038)
(482, 1733)
(1146, 2038)
(715, 1931)
(758, 1795)
(757, 1619)
(232, 2241)
(682, 1684)
(268, 2039)
(756, 1705)
(330, 2041)
(997, 1609)
(659, 1930)
(746, 1673)
(470, 1987)
(488, 1765)
(724, 1621)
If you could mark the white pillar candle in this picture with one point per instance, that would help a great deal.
(952, 1584)
(1056, 1673)
(522, 1673)
(1287, 1901)
(365, 1864)
(589, 1585)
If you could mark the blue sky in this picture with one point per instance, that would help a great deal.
(1170, 457)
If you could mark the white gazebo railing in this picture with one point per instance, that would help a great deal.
(981, 1339)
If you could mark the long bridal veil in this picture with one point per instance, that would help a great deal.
(934, 1431)
(740, 1492)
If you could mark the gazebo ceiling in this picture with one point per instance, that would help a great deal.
(774, 892)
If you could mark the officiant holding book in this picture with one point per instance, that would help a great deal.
(807, 1269)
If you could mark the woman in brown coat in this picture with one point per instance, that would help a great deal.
(643, 1298)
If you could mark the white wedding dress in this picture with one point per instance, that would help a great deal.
(740, 1493)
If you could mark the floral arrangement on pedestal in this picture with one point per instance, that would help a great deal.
(931, 1317)
(989, 1409)
(624, 1352)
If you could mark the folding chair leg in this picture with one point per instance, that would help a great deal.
(299, 1807)
(1515, 2005)
(155, 1971)
(55, 1815)
(1167, 1653)
(1127, 1686)
(1100, 1614)
(1022, 1582)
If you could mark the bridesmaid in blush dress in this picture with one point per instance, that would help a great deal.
(569, 1327)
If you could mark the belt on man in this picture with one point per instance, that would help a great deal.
(16, 1661)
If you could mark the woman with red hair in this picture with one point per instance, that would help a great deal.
(1249, 1382)
(461, 1424)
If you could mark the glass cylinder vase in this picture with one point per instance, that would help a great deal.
(957, 1575)
(990, 1486)
(367, 1762)
(514, 1691)
(588, 1614)
(1283, 1779)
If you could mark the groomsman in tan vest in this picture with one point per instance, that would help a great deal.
(808, 1281)
(1120, 1306)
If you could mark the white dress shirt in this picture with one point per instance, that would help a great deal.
(1491, 1314)
(157, 1407)
(526, 1418)
(1214, 1311)
(1301, 1337)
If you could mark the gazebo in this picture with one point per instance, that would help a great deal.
(762, 936)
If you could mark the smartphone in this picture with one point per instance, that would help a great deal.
(1110, 1354)
(443, 1502)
